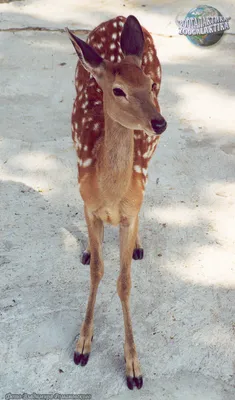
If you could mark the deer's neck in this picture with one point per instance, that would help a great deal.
(118, 146)
(116, 157)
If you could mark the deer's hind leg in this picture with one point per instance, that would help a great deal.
(95, 231)
(86, 255)
(138, 252)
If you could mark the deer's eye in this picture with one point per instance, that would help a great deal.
(118, 92)
(154, 87)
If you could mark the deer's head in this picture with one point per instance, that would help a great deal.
(128, 94)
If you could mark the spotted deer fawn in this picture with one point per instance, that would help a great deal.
(116, 125)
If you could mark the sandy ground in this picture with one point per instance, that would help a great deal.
(183, 298)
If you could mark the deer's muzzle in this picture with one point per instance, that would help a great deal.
(159, 125)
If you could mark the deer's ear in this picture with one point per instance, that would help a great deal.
(90, 60)
(132, 38)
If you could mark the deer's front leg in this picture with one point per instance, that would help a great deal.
(95, 231)
(128, 232)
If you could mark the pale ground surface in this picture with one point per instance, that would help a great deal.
(183, 298)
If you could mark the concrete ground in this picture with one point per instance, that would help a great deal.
(183, 295)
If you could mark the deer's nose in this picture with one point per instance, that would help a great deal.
(158, 125)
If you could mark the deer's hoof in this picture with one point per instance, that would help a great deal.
(138, 254)
(81, 359)
(86, 258)
(137, 381)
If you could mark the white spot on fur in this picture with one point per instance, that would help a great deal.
(87, 163)
(80, 87)
(85, 104)
(139, 153)
(85, 147)
(145, 171)
(150, 57)
(148, 153)
(121, 23)
(114, 36)
(79, 161)
(97, 102)
(113, 46)
(115, 24)
(112, 58)
(137, 168)
(76, 125)
(96, 126)
(99, 45)
(80, 97)
(119, 58)
(77, 141)
(159, 72)
(77, 144)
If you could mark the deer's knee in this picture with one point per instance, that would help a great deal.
(124, 286)
(96, 268)
(97, 275)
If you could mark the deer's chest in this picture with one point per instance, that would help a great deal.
(111, 194)
(111, 203)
